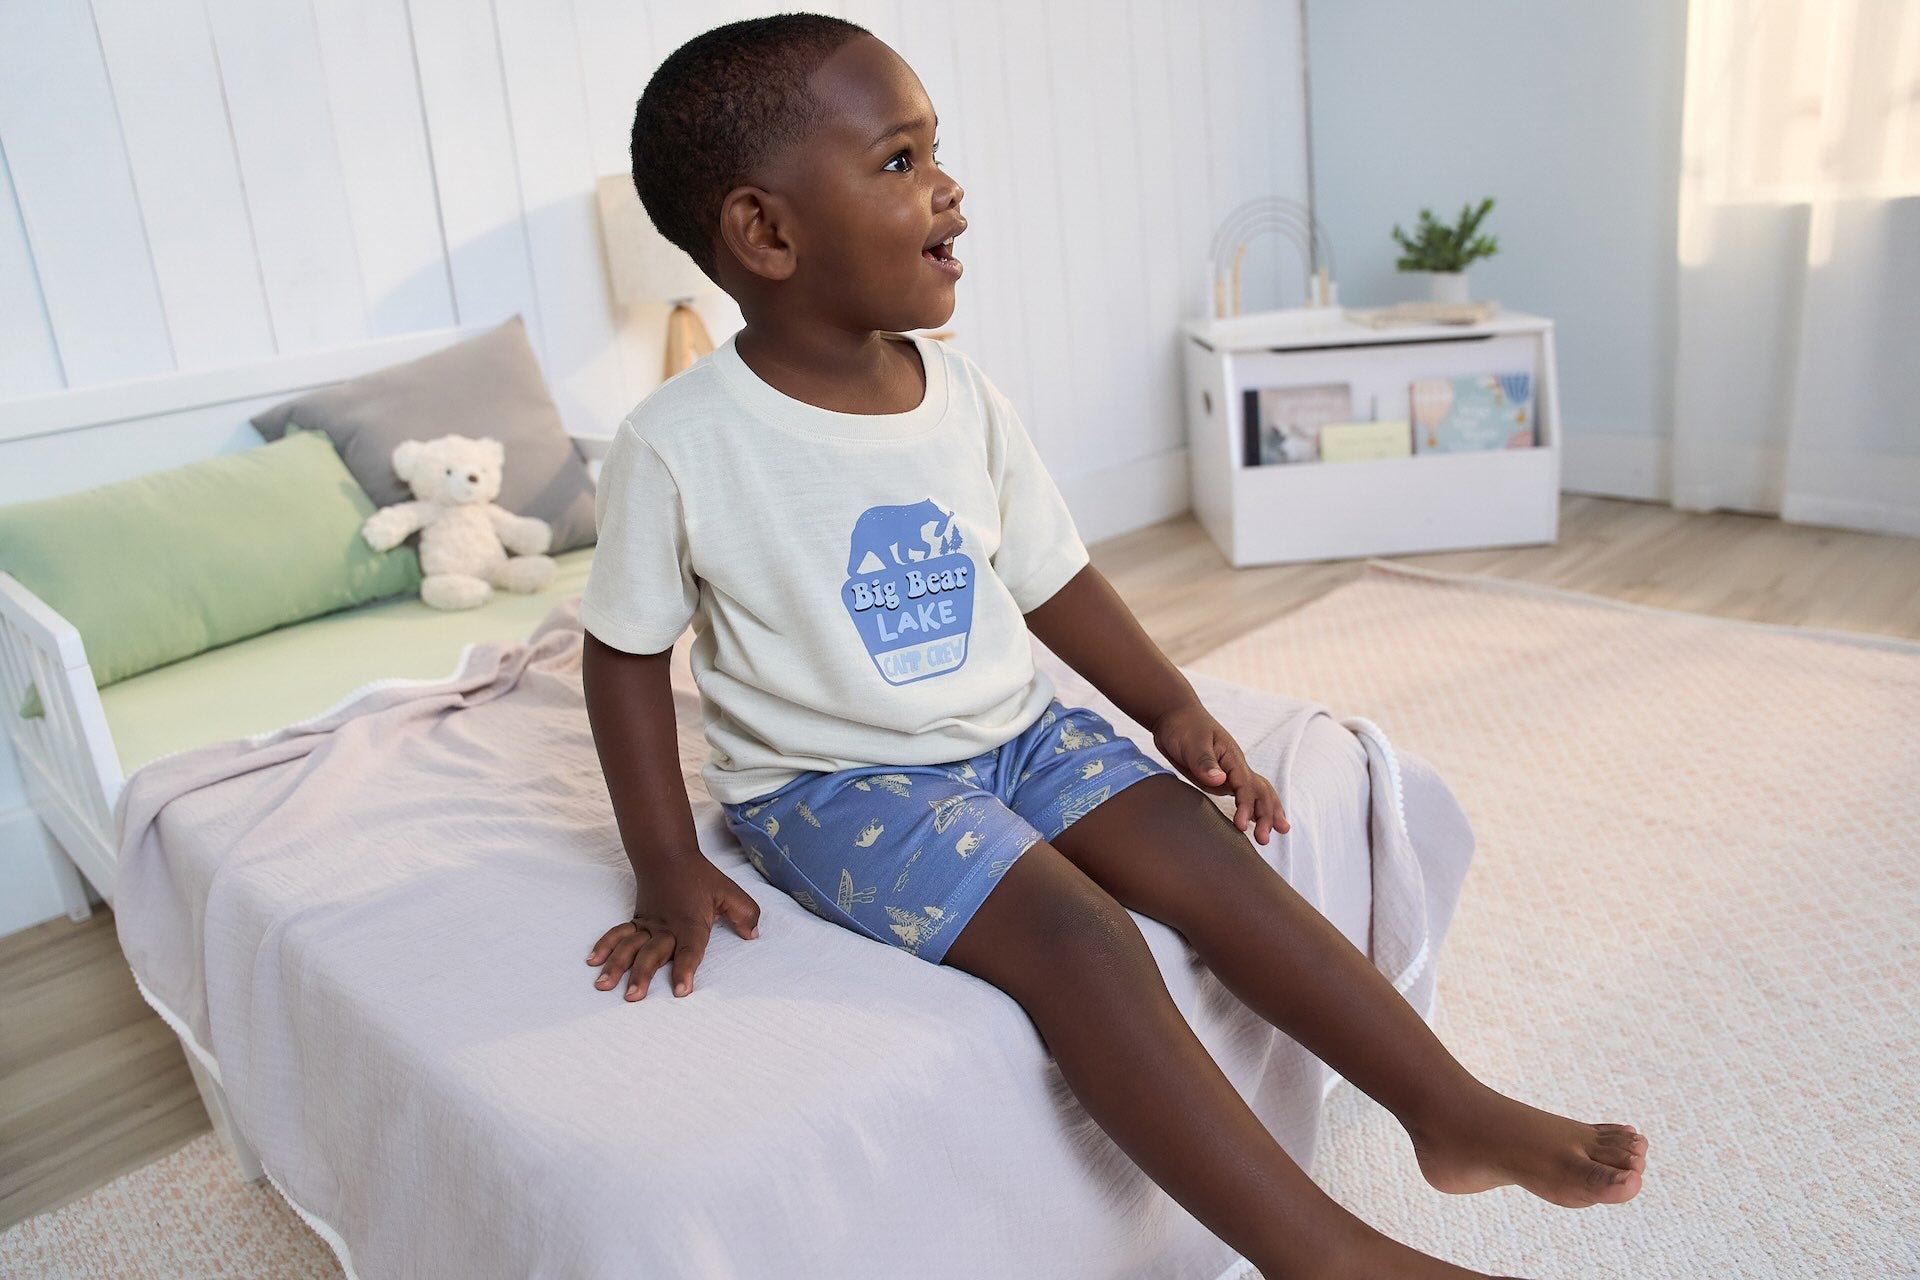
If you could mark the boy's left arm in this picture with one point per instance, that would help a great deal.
(1090, 628)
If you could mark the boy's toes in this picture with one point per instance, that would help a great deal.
(1618, 1157)
(1623, 1137)
(1606, 1184)
(1623, 1150)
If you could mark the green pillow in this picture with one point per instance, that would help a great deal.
(173, 563)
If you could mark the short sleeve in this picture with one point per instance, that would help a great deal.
(1040, 550)
(641, 591)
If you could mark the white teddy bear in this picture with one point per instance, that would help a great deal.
(464, 538)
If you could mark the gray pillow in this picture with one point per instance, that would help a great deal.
(485, 386)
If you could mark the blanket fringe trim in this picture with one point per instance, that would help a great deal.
(1363, 727)
(1864, 639)
(319, 1226)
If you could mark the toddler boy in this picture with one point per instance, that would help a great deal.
(862, 536)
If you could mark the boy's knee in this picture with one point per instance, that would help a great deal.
(1047, 921)
(1090, 926)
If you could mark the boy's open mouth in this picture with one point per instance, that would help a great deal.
(940, 254)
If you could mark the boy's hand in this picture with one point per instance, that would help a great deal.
(673, 917)
(1193, 741)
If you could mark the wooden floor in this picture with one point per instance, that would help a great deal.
(93, 1085)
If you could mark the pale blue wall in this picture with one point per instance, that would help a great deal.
(1567, 112)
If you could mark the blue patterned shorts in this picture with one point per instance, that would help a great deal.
(906, 854)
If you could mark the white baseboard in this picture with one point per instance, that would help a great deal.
(1131, 495)
(30, 864)
(1616, 465)
(1839, 513)
(1749, 478)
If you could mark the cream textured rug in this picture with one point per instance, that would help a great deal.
(1695, 906)
(186, 1216)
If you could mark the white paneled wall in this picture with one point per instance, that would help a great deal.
(189, 184)
(195, 183)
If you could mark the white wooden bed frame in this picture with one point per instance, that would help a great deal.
(98, 435)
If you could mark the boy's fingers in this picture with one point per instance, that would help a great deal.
(606, 943)
(1206, 762)
(1245, 794)
(1276, 816)
(1235, 769)
(742, 912)
(608, 976)
(651, 957)
(618, 961)
(687, 958)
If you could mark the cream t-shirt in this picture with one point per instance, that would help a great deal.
(855, 581)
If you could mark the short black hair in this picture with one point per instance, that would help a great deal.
(718, 107)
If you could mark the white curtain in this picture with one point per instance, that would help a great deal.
(1797, 379)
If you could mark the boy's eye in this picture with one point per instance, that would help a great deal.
(906, 153)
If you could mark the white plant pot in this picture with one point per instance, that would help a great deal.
(1447, 286)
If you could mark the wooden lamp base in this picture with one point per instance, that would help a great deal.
(687, 339)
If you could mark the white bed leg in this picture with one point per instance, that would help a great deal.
(74, 899)
(216, 1101)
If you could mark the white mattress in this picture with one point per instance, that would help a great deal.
(373, 929)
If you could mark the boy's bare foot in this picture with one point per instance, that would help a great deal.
(1490, 1140)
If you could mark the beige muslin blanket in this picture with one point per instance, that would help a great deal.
(373, 926)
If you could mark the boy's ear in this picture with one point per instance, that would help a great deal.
(753, 227)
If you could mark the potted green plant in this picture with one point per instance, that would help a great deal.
(1444, 251)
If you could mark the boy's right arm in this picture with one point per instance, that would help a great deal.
(678, 893)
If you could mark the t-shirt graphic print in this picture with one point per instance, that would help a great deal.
(909, 590)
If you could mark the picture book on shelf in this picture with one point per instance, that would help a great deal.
(1365, 441)
(1283, 423)
(1472, 412)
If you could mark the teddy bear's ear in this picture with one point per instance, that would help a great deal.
(498, 450)
(405, 454)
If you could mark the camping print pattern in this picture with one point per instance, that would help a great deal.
(906, 855)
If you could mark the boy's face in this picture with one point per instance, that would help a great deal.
(853, 209)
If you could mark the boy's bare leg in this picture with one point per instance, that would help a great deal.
(1075, 961)
(1164, 849)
